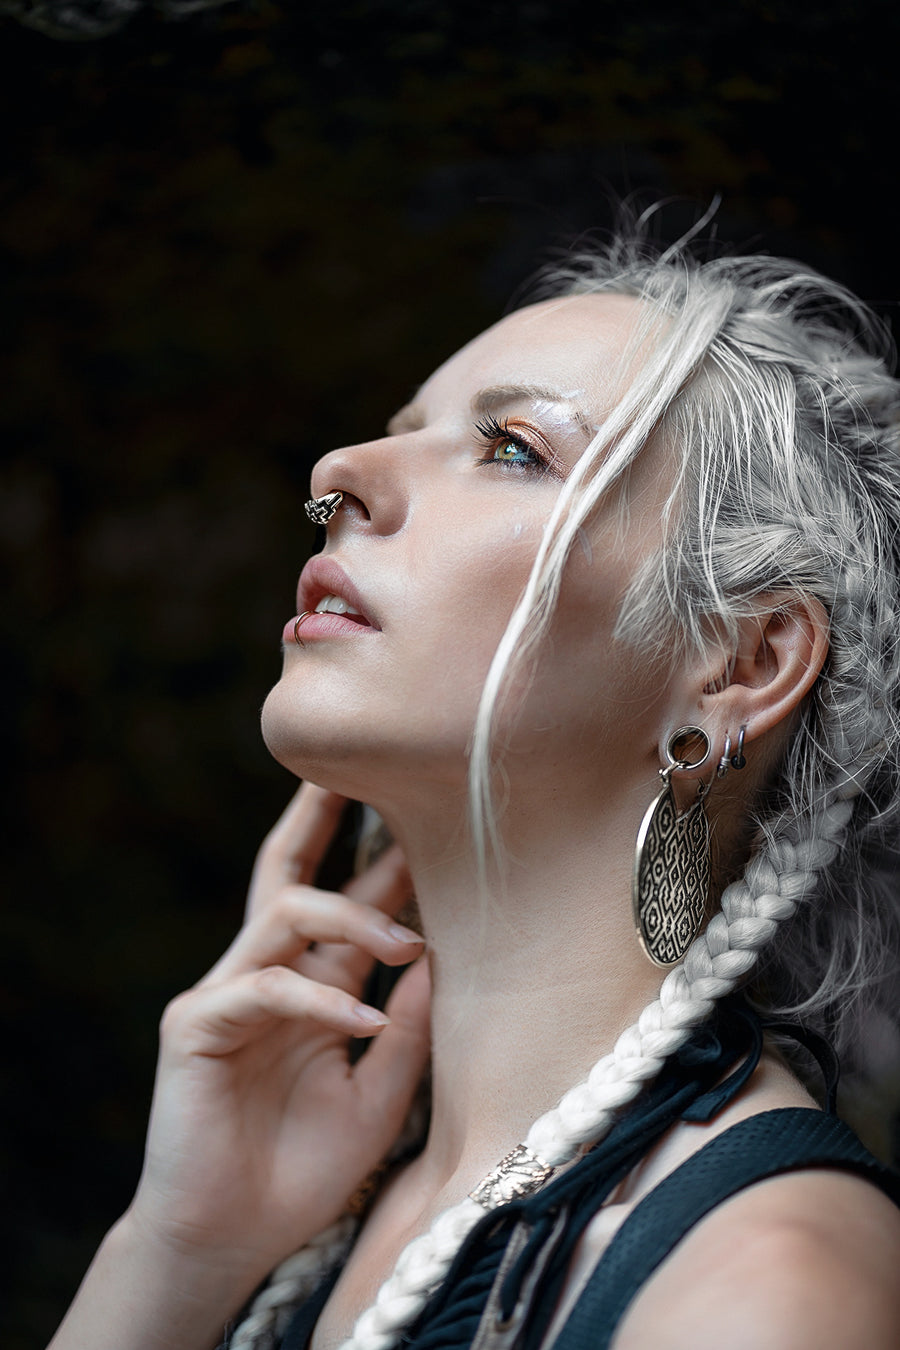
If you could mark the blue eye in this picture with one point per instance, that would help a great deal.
(512, 452)
(508, 448)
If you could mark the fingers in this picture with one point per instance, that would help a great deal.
(301, 916)
(219, 1019)
(386, 886)
(296, 844)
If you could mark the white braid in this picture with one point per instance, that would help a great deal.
(770, 404)
(290, 1284)
(752, 908)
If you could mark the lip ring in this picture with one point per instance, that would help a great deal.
(307, 613)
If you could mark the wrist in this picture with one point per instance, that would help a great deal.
(151, 1291)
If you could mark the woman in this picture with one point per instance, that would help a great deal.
(626, 564)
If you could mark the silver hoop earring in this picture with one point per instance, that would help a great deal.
(738, 759)
(670, 881)
(321, 509)
(725, 762)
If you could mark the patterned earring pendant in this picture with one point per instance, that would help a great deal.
(671, 878)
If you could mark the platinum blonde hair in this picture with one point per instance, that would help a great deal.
(771, 387)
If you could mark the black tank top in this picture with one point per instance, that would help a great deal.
(502, 1288)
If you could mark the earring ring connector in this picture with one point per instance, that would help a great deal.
(683, 737)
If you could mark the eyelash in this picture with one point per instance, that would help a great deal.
(494, 433)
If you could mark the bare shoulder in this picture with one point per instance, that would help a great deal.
(808, 1261)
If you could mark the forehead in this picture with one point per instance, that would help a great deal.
(571, 346)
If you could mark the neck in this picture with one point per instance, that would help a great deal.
(536, 971)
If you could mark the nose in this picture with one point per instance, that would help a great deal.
(376, 490)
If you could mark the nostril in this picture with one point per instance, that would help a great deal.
(354, 506)
(321, 510)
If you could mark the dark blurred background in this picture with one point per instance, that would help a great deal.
(229, 240)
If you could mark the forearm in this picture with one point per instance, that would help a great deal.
(138, 1295)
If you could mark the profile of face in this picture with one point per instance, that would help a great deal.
(440, 524)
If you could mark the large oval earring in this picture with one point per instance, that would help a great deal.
(670, 881)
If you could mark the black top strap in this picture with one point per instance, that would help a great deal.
(762, 1146)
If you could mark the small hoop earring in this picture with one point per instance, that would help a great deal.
(725, 762)
(297, 622)
(739, 759)
(321, 509)
(670, 879)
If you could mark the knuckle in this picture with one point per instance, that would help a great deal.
(290, 912)
(272, 981)
(175, 1014)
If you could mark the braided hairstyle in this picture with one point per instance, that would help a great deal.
(771, 385)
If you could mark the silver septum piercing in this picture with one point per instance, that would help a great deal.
(321, 509)
(297, 622)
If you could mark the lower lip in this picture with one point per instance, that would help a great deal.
(320, 626)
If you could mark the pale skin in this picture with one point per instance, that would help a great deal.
(260, 1129)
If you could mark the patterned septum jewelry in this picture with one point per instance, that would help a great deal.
(321, 509)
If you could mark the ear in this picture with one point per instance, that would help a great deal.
(780, 652)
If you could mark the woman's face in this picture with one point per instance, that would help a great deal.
(432, 546)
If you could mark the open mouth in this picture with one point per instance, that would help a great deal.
(335, 604)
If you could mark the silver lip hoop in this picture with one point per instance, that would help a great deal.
(307, 613)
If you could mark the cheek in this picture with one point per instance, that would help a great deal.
(474, 576)
(458, 598)
(590, 683)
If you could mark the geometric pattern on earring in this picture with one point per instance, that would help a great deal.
(321, 509)
(670, 878)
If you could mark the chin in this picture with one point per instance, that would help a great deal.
(315, 744)
(295, 734)
(362, 753)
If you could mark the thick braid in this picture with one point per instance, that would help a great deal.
(768, 893)
(774, 883)
(420, 1268)
(290, 1284)
(296, 1278)
(790, 481)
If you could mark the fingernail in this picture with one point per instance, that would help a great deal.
(370, 1016)
(401, 934)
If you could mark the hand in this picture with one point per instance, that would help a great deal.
(260, 1128)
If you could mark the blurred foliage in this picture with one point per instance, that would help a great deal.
(228, 243)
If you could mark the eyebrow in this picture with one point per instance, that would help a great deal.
(492, 398)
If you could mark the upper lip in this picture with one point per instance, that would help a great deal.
(321, 577)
